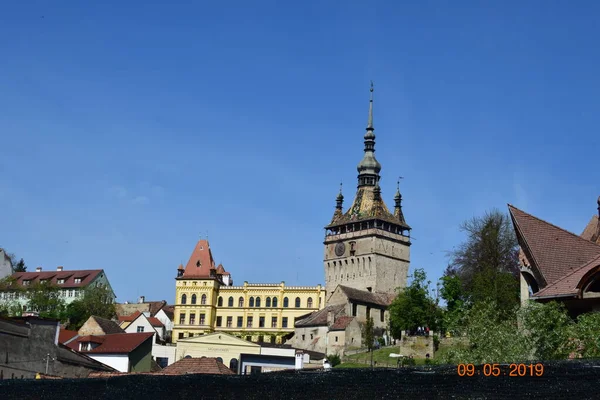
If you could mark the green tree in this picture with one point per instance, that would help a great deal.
(46, 300)
(585, 337)
(97, 301)
(368, 333)
(546, 330)
(414, 306)
(19, 266)
(487, 261)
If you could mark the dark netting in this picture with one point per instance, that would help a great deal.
(561, 380)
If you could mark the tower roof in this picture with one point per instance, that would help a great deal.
(201, 262)
(368, 203)
(369, 168)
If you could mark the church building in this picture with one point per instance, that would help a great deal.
(367, 257)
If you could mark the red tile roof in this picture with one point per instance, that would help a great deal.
(319, 318)
(129, 318)
(201, 262)
(116, 343)
(570, 284)
(155, 322)
(65, 335)
(554, 251)
(202, 365)
(86, 276)
(341, 323)
(592, 230)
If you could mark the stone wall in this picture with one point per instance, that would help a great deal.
(416, 346)
(27, 343)
(5, 265)
(312, 338)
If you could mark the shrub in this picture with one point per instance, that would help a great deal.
(334, 360)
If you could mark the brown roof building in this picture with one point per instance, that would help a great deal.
(202, 365)
(557, 264)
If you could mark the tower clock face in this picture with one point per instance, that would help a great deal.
(339, 249)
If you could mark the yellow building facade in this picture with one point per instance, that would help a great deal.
(207, 301)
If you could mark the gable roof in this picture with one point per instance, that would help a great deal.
(107, 326)
(341, 323)
(319, 318)
(568, 285)
(116, 343)
(86, 276)
(169, 311)
(130, 317)
(592, 230)
(65, 335)
(201, 261)
(554, 251)
(364, 296)
(202, 365)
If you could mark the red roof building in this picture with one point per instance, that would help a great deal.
(557, 264)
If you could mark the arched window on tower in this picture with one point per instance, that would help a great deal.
(193, 299)
(230, 301)
(268, 302)
(251, 302)
(258, 302)
(184, 298)
(297, 302)
(286, 302)
(220, 302)
(309, 302)
(203, 299)
(274, 302)
(240, 302)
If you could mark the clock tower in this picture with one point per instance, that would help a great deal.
(367, 247)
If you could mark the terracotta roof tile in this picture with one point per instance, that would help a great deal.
(202, 365)
(155, 322)
(381, 299)
(201, 261)
(341, 323)
(592, 230)
(155, 306)
(86, 276)
(568, 285)
(65, 335)
(116, 343)
(319, 318)
(169, 311)
(555, 251)
(107, 325)
(130, 317)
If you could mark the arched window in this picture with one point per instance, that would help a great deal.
(251, 302)
(203, 299)
(184, 298)
(241, 302)
(268, 302)
(274, 302)
(309, 303)
(233, 364)
(230, 301)
(193, 299)
(286, 302)
(297, 302)
(258, 302)
(220, 302)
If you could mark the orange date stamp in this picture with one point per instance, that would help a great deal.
(500, 370)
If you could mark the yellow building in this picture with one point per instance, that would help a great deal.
(206, 301)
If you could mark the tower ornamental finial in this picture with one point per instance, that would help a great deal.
(370, 122)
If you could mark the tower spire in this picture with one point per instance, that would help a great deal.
(370, 122)
(369, 167)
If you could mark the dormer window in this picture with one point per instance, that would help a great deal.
(26, 283)
(77, 280)
(42, 281)
(60, 281)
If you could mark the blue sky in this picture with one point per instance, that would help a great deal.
(130, 129)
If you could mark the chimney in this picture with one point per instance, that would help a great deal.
(141, 299)
(59, 268)
(38, 269)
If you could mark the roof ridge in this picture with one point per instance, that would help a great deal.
(551, 224)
